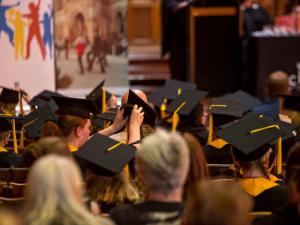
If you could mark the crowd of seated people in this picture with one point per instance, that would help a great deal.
(134, 169)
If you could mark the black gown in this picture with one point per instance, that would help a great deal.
(9, 159)
(175, 38)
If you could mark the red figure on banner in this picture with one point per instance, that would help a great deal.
(34, 29)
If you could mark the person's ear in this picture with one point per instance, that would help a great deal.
(78, 131)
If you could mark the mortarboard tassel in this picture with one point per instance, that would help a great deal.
(163, 108)
(103, 100)
(14, 136)
(175, 117)
(279, 147)
(211, 124)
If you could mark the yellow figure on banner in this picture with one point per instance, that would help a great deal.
(15, 18)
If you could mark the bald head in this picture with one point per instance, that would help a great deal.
(138, 92)
(278, 84)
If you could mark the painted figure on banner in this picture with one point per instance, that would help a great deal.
(4, 28)
(34, 29)
(15, 18)
(47, 36)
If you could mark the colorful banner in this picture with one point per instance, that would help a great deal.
(90, 43)
(26, 44)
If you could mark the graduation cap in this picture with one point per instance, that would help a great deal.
(134, 99)
(244, 98)
(223, 111)
(251, 138)
(32, 123)
(43, 98)
(184, 104)
(100, 96)
(75, 107)
(105, 156)
(108, 116)
(180, 85)
(8, 122)
(9, 96)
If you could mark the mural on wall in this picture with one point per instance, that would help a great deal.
(90, 42)
(26, 46)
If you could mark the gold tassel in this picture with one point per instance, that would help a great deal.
(210, 129)
(103, 100)
(211, 124)
(279, 157)
(175, 117)
(14, 136)
(22, 138)
(163, 108)
(179, 91)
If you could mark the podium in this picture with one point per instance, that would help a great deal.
(214, 48)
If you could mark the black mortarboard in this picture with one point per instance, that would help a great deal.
(34, 121)
(134, 99)
(108, 115)
(247, 100)
(96, 95)
(105, 156)
(225, 111)
(291, 102)
(9, 96)
(177, 84)
(250, 137)
(44, 97)
(185, 103)
(75, 107)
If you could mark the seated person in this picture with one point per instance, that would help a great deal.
(290, 213)
(44, 146)
(162, 163)
(55, 194)
(278, 84)
(7, 159)
(218, 203)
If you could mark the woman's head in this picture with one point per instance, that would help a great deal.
(54, 193)
(292, 177)
(218, 203)
(76, 127)
(45, 146)
(198, 165)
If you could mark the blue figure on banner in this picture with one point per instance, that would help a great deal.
(3, 23)
(47, 36)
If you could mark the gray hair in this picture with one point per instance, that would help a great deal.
(163, 161)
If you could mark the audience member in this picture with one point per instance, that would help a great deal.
(198, 169)
(218, 203)
(45, 146)
(55, 194)
(162, 163)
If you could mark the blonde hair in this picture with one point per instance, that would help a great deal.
(112, 190)
(163, 161)
(54, 194)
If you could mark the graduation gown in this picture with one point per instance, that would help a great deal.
(267, 194)
(175, 38)
(8, 159)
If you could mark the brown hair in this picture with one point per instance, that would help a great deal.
(45, 146)
(292, 177)
(215, 203)
(65, 126)
(198, 169)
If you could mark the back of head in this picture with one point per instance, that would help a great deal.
(50, 129)
(45, 146)
(138, 92)
(278, 84)
(198, 169)
(215, 203)
(68, 123)
(292, 177)
(163, 161)
(55, 192)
